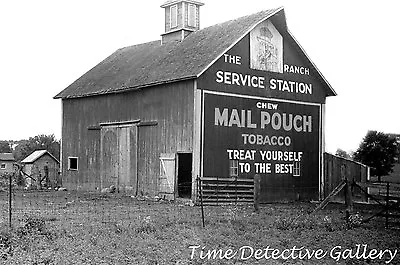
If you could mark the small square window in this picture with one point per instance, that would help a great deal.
(174, 16)
(234, 168)
(72, 163)
(296, 168)
(3, 166)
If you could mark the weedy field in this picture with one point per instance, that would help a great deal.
(77, 228)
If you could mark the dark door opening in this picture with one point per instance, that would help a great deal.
(184, 175)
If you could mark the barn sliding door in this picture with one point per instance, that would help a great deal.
(118, 161)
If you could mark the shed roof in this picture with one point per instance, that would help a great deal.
(6, 157)
(151, 63)
(36, 155)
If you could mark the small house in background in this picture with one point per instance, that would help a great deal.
(6, 163)
(44, 165)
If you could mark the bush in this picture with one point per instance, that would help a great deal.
(354, 220)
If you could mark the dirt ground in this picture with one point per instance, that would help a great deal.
(78, 228)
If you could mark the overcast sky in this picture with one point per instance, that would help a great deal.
(46, 45)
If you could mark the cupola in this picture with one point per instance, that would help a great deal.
(182, 17)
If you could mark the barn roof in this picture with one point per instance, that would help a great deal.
(6, 157)
(151, 63)
(36, 155)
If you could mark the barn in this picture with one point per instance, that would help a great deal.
(218, 104)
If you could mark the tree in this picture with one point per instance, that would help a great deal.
(39, 142)
(5, 147)
(342, 153)
(377, 150)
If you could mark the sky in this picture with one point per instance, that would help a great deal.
(46, 45)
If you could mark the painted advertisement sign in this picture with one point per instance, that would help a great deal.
(265, 63)
(277, 139)
(266, 48)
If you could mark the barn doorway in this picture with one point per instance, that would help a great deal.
(184, 175)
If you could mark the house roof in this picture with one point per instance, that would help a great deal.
(151, 63)
(6, 157)
(36, 155)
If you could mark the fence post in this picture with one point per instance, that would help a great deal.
(201, 199)
(257, 183)
(9, 198)
(217, 192)
(236, 190)
(348, 198)
(387, 205)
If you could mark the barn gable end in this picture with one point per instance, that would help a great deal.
(263, 104)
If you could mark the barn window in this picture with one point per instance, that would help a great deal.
(3, 166)
(192, 15)
(174, 16)
(72, 163)
(234, 168)
(296, 168)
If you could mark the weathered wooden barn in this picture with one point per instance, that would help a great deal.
(221, 103)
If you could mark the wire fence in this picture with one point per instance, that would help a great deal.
(75, 207)
(64, 206)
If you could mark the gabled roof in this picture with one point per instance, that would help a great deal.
(36, 155)
(6, 157)
(151, 63)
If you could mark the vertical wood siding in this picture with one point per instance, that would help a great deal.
(170, 105)
(333, 174)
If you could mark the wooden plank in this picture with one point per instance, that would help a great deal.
(382, 185)
(148, 123)
(196, 166)
(124, 158)
(329, 197)
(120, 123)
(109, 157)
(133, 180)
(227, 179)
